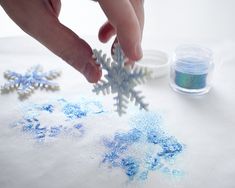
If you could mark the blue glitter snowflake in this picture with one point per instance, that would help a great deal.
(120, 79)
(45, 122)
(32, 79)
(144, 148)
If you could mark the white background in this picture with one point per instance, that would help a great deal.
(165, 19)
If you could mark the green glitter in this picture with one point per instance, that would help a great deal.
(190, 81)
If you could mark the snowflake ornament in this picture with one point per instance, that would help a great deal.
(32, 79)
(120, 79)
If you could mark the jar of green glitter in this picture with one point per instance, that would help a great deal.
(191, 69)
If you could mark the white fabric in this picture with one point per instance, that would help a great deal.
(205, 124)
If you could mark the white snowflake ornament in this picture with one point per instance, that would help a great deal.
(120, 79)
(32, 79)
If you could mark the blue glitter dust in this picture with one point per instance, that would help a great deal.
(47, 121)
(130, 165)
(144, 148)
(78, 126)
(40, 132)
(170, 147)
(120, 144)
(54, 131)
(143, 175)
(48, 108)
(74, 111)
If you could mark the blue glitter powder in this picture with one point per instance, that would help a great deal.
(146, 147)
(119, 145)
(94, 106)
(54, 131)
(47, 107)
(40, 132)
(130, 165)
(29, 124)
(170, 145)
(78, 126)
(49, 120)
(32, 125)
(143, 175)
(74, 111)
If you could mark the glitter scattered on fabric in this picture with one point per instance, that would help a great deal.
(144, 148)
(47, 121)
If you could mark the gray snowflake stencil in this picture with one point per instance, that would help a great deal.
(120, 80)
(32, 79)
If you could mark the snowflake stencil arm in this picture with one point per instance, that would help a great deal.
(120, 79)
(135, 95)
(13, 80)
(118, 55)
(121, 104)
(52, 74)
(102, 59)
(103, 86)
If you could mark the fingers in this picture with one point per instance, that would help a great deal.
(139, 11)
(37, 18)
(74, 50)
(106, 32)
(56, 5)
(122, 17)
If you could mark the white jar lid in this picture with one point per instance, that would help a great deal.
(155, 61)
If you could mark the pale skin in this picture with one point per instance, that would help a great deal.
(39, 18)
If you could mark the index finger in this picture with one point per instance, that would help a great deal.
(122, 16)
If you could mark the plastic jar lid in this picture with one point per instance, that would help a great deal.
(155, 61)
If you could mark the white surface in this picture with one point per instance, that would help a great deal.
(206, 125)
(178, 19)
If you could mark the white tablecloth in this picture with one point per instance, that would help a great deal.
(206, 125)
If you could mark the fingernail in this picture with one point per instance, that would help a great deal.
(128, 61)
(138, 51)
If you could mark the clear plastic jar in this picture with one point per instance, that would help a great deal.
(191, 69)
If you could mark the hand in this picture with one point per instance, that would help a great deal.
(126, 19)
(39, 18)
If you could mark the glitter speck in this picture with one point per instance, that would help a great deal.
(78, 126)
(48, 107)
(130, 165)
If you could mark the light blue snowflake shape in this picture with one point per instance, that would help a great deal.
(120, 79)
(32, 79)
